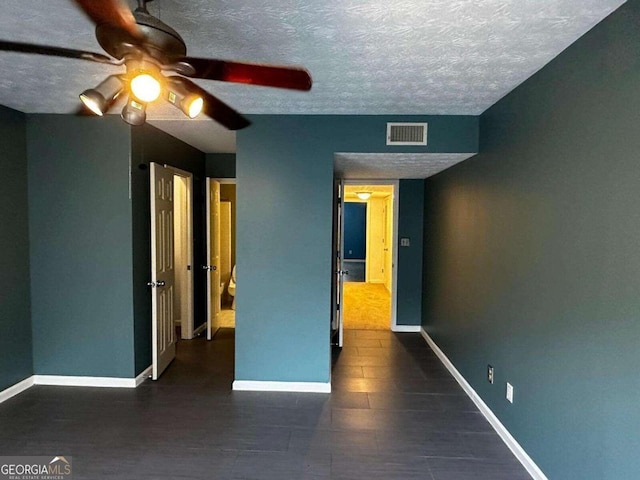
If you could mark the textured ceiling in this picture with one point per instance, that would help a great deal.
(366, 57)
(385, 166)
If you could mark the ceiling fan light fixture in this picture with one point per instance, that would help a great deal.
(145, 87)
(99, 99)
(134, 113)
(363, 195)
(179, 96)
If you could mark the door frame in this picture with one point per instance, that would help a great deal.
(337, 265)
(395, 183)
(187, 333)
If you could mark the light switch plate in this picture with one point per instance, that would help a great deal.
(509, 392)
(405, 242)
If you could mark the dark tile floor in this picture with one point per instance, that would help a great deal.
(395, 413)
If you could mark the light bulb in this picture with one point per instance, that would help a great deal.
(99, 99)
(91, 104)
(145, 87)
(179, 95)
(195, 107)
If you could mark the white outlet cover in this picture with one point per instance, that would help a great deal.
(509, 392)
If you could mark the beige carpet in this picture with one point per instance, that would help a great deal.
(227, 318)
(366, 306)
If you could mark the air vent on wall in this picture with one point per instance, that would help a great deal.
(406, 133)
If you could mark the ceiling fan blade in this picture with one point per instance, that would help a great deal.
(54, 51)
(215, 108)
(111, 12)
(255, 74)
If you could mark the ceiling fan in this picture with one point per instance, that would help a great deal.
(156, 61)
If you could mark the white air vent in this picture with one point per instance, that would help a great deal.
(406, 133)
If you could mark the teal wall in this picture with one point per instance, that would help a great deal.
(221, 165)
(285, 188)
(410, 225)
(148, 144)
(531, 258)
(80, 238)
(16, 360)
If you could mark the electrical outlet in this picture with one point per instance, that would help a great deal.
(509, 392)
(490, 374)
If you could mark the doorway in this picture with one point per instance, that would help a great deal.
(227, 253)
(183, 252)
(221, 253)
(370, 219)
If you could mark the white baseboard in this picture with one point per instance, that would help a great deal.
(144, 375)
(14, 390)
(200, 329)
(66, 381)
(260, 386)
(522, 456)
(405, 328)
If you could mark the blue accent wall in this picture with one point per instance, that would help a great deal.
(16, 357)
(355, 230)
(531, 258)
(148, 144)
(285, 190)
(81, 245)
(410, 225)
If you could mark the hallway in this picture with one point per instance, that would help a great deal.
(367, 306)
(395, 414)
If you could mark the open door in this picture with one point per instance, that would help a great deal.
(162, 269)
(213, 257)
(337, 328)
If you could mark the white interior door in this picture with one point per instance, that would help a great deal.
(162, 269)
(337, 326)
(213, 257)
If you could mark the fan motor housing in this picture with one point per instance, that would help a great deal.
(160, 40)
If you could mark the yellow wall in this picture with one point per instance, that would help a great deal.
(228, 194)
